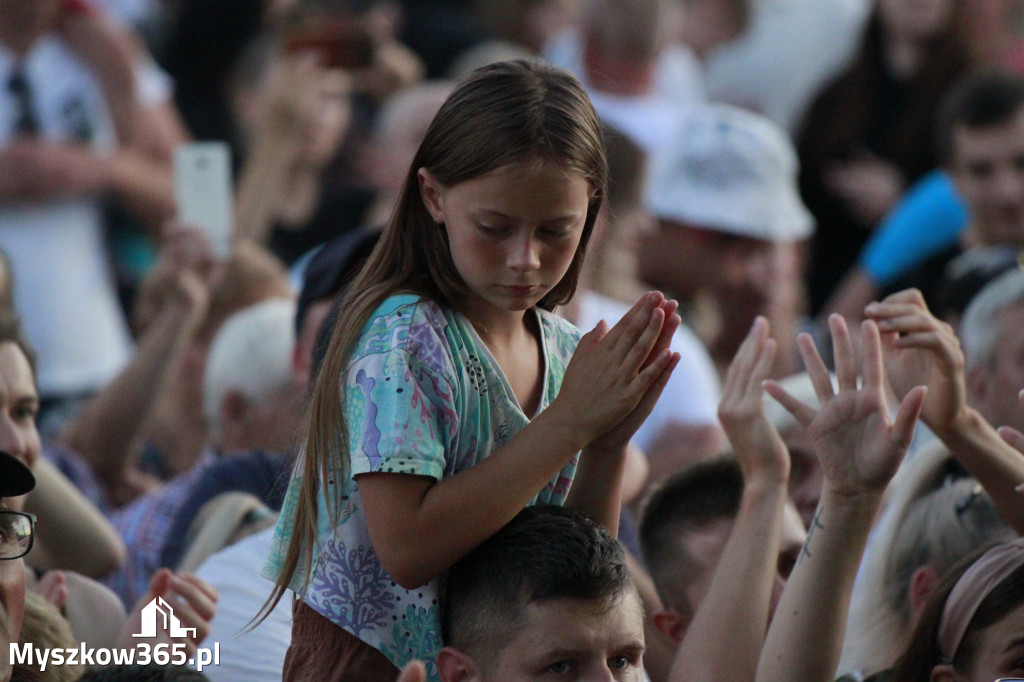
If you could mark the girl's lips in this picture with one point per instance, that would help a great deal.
(520, 290)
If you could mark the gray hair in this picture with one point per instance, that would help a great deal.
(251, 354)
(938, 530)
(981, 327)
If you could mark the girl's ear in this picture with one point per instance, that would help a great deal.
(432, 193)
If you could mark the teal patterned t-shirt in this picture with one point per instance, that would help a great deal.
(422, 396)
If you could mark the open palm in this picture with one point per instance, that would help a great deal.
(859, 444)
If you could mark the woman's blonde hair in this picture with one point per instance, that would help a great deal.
(500, 115)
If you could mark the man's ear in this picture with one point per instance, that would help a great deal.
(923, 582)
(456, 666)
(670, 623)
(432, 194)
(233, 408)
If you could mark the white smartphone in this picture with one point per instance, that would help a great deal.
(204, 193)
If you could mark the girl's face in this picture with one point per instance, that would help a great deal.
(19, 404)
(513, 233)
(998, 650)
(916, 20)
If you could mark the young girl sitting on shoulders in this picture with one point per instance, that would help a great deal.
(447, 400)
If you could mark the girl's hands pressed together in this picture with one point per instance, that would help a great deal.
(615, 376)
(859, 443)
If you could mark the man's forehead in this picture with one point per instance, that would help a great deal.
(622, 614)
(970, 142)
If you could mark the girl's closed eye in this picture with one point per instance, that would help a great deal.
(492, 230)
(557, 232)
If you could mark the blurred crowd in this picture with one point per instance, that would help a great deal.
(786, 168)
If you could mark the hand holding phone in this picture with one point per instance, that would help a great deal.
(203, 189)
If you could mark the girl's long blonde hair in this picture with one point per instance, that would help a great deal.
(502, 114)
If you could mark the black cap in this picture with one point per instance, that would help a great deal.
(15, 478)
(333, 265)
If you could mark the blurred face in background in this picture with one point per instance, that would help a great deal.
(987, 166)
(705, 24)
(331, 119)
(915, 20)
(19, 405)
(993, 389)
(685, 260)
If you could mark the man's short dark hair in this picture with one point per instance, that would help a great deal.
(980, 100)
(544, 553)
(688, 501)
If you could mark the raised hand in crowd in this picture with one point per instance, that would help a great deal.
(171, 305)
(860, 446)
(724, 639)
(922, 350)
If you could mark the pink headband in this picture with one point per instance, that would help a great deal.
(990, 569)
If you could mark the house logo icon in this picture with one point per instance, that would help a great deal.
(157, 615)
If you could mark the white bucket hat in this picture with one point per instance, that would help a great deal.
(729, 170)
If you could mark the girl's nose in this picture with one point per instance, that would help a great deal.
(525, 254)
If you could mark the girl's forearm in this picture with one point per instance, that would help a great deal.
(420, 526)
(597, 488)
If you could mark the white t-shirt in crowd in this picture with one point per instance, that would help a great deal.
(246, 656)
(63, 284)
